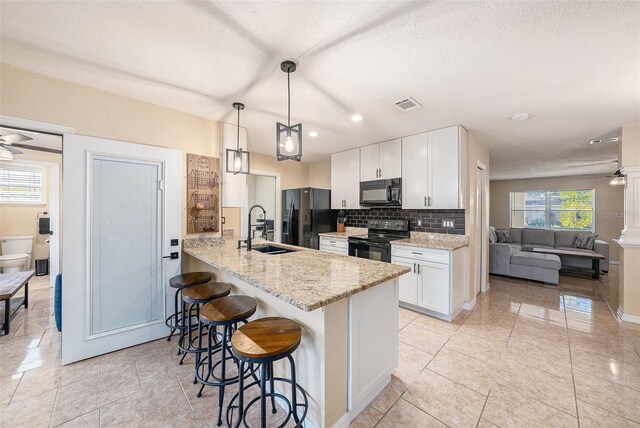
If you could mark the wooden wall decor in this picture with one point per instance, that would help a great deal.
(203, 193)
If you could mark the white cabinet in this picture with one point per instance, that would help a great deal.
(345, 180)
(436, 283)
(434, 169)
(334, 245)
(233, 186)
(381, 161)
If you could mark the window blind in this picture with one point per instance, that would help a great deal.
(20, 183)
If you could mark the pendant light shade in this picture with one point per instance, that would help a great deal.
(238, 159)
(288, 137)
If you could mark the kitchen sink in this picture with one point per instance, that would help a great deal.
(272, 249)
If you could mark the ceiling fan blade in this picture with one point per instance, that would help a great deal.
(14, 138)
(11, 149)
(37, 148)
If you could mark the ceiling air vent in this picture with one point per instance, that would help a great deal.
(408, 104)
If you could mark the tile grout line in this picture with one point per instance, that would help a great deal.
(53, 408)
(184, 393)
(16, 388)
(573, 378)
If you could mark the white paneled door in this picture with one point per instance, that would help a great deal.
(121, 209)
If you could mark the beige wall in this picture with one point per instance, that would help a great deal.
(630, 147)
(28, 95)
(609, 202)
(292, 174)
(320, 174)
(476, 153)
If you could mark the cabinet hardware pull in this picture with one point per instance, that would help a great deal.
(418, 268)
(418, 254)
(380, 172)
(425, 201)
(414, 268)
(429, 200)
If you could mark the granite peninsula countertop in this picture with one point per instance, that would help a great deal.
(436, 241)
(307, 279)
(349, 231)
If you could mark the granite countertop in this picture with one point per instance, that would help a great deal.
(349, 231)
(436, 241)
(307, 279)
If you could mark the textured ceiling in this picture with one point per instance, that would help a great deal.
(574, 66)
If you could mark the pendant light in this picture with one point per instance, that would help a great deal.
(288, 137)
(238, 159)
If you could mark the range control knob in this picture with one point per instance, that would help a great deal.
(398, 225)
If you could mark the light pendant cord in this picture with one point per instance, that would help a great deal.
(288, 100)
(238, 135)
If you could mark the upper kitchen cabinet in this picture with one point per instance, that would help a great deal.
(434, 169)
(345, 180)
(233, 186)
(381, 161)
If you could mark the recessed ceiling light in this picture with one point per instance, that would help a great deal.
(313, 133)
(520, 116)
(356, 118)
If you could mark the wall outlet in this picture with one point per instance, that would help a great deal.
(419, 222)
(447, 223)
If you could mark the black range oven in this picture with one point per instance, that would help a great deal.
(376, 245)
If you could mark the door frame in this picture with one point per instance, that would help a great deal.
(482, 222)
(278, 214)
(55, 192)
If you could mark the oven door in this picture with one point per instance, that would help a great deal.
(365, 249)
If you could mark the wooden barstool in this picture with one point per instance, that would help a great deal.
(264, 342)
(196, 296)
(180, 282)
(225, 312)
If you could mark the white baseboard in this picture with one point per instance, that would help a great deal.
(343, 422)
(468, 306)
(628, 318)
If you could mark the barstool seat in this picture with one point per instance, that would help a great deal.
(228, 309)
(270, 338)
(189, 279)
(203, 293)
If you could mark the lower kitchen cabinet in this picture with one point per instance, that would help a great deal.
(436, 283)
(334, 245)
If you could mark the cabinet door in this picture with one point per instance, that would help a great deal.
(407, 283)
(434, 287)
(369, 162)
(391, 159)
(352, 179)
(339, 167)
(444, 168)
(414, 171)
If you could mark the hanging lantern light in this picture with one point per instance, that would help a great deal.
(238, 159)
(288, 137)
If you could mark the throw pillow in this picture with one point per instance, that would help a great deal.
(503, 236)
(585, 242)
(493, 238)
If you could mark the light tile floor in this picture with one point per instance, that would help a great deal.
(526, 356)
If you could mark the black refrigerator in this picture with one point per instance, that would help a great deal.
(305, 213)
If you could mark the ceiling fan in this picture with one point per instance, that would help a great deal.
(7, 151)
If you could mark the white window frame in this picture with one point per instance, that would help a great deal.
(547, 209)
(18, 165)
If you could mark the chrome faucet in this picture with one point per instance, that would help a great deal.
(249, 234)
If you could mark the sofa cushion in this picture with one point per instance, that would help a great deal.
(539, 260)
(565, 238)
(526, 247)
(516, 235)
(492, 235)
(539, 237)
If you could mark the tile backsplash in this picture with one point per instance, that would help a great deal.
(431, 220)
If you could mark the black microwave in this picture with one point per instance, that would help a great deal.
(381, 193)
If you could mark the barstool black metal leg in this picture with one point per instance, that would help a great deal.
(195, 377)
(240, 397)
(175, 301)
(263, 399)
(190, 332)
(223, 372)
(294, 390)
(272, 388)
(209, 361)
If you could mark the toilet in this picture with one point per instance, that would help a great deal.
(16, 253)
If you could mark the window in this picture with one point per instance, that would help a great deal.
(556, 210)
(21, 184)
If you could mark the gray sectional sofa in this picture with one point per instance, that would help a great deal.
(517, 259)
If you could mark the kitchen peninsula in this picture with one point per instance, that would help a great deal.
(347, 306)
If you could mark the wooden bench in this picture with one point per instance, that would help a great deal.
(10, 284)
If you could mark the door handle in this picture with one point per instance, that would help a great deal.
(174, 255)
